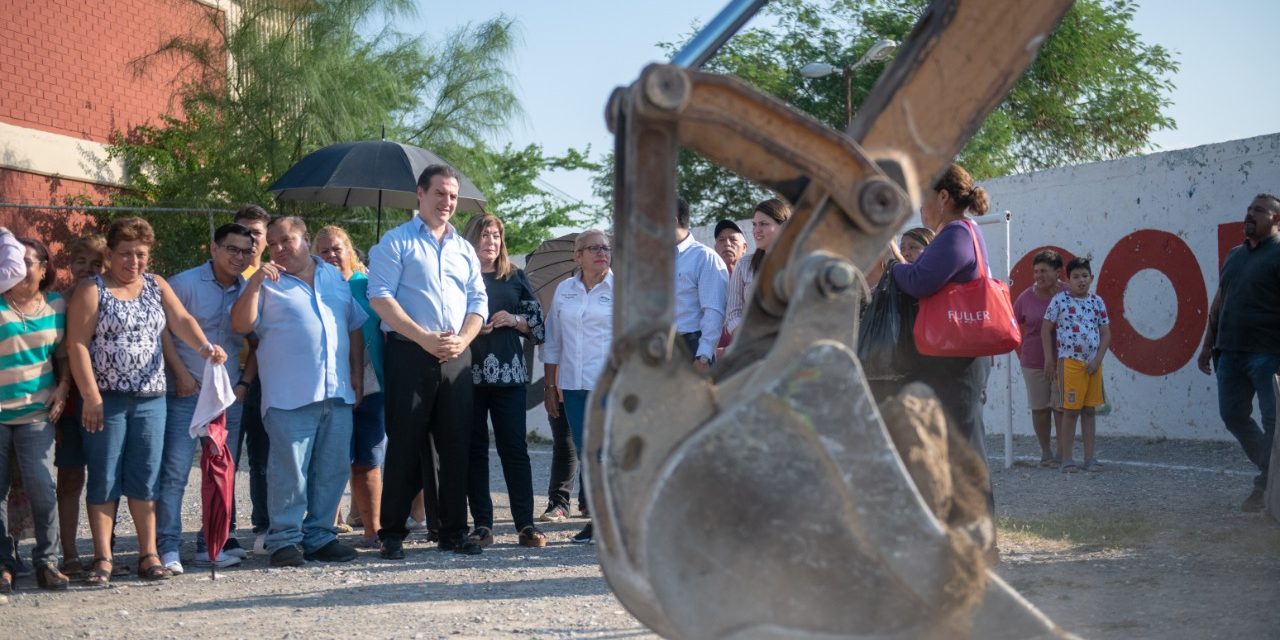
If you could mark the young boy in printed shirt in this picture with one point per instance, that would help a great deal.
(1079, 320)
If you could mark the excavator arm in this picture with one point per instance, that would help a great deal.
(774, 498)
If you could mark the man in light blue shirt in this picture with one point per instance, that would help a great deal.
(702, 283)
(425, 284)
(310, 358)
(208, 292)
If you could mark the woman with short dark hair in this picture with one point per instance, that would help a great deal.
(113, 335)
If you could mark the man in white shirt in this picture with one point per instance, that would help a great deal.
(702, 281)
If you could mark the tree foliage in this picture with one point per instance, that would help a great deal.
(290, 77)
(1096, 91)
(512, 181)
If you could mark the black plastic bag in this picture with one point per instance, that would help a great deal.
(880, 334)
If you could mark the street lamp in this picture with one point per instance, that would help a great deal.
(881, 50)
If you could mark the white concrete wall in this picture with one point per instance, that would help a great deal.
(1156, 228)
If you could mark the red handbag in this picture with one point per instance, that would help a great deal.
(968, 319)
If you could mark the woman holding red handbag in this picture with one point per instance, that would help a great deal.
(956, 255)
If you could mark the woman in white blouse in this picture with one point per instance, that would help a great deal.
(579, 332)
(768, 218)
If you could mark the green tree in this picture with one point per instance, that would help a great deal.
(511, 180)
(290, 77)
(1095, 92)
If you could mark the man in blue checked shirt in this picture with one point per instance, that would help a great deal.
(310, 356)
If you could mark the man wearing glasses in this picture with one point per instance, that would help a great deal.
(208, 292)
(426, 285)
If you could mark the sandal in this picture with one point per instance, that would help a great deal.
(531, 536)
(98, 576)
(1092, 465)
(6, 580)
(71, 567)
(482, 536)
(156, 571)
(1069, 466)
(48, 577)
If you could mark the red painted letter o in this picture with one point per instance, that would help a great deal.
(1168, 254)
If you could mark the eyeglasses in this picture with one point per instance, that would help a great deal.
(236, 252)
(598, 248)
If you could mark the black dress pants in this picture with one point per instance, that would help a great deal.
(427, 402)
(504, 406)
(564, 466)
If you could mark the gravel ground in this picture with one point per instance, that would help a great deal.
(1153, 547)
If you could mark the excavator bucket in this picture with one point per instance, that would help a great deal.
(774, 498)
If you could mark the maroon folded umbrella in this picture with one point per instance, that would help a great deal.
(218, 477)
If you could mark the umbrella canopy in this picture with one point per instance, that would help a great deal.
(547, 265)
(217, 479)
(368, 173)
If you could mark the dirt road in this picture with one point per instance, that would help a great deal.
(1154, 549)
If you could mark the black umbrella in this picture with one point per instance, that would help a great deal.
(368, 173)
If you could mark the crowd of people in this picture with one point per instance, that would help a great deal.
(388, 376)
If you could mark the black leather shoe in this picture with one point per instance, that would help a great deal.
(468, 547)
(288, 556)
(460, 544)
(335, 551)
(392, 549)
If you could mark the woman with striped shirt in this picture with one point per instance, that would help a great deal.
(33, 392)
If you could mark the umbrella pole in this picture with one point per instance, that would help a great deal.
(378, 234)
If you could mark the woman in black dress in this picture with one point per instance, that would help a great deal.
(500, 375)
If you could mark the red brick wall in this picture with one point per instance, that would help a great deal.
(53, 227)
(65, 64)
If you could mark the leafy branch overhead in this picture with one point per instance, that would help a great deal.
(292, 77)
(1096, 91)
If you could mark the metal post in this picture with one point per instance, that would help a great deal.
(1009, 357)
(713, 36)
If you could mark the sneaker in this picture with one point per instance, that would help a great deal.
(172, 562)
(335, 551)
(531, 536)
(287, 556)
(392, 549)
(260, 544)
(584, 536)
(233, 549)
(415, 525)
(223, 560)
(554, 513)
(1254, 503)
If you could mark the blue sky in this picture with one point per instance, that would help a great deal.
(574, 52)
